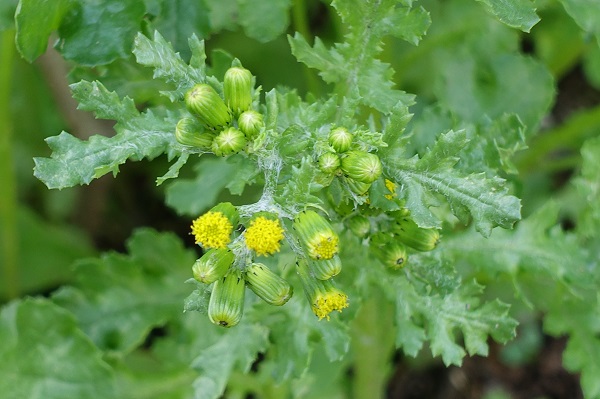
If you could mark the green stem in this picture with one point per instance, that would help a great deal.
(8, 189)
(300, 24)
(372, 346)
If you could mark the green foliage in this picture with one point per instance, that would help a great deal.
(455, 161)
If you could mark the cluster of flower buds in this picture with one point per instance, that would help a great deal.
(222, 125)
(229, 262)
(357, 167)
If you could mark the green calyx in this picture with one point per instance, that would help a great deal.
(212, 265)
(267, 285)
(237, 87)
(361, 166)
(250, 123)
(414, 236)
(204, 102)
(226, 304)
(229, 141)
(191, 133)
(340, 139)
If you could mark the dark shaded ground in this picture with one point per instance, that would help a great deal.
(545, 377)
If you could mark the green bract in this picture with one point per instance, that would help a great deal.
(267, 285)
(212, 265)
(226, 304)
(228, 141)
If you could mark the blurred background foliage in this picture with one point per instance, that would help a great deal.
(467, 70)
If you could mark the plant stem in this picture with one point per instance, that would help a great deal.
(8, 189)
(300, 24)
(372, 346)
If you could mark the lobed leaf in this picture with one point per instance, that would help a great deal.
(45, 355)
(100, 32)
(236, 350)
(118, 298)
(139, 136)
(515, 13)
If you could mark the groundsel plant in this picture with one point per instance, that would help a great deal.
(316, 218)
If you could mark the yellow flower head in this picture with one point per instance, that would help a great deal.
(328, 301)
(323, 245)
(212, 230)
(264, 236)
(391, 186)
(322, 295)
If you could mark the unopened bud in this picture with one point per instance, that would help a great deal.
(267, 285)
(393, 255)
(212, 265)
(204, 102)
(317, 235)
(416, 237)
(226, 304)
(250, 123)
(340, 139)
(229, 141)
(329, 162)
(237, 87)
(362, 166)
(189, 132)
(325, 269)
(359, 225)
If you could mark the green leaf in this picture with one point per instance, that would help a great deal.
(119, 298)
(139, 136)
(236, 350)
(178, 20)
(97, 33)
(459, 310)
(264, 20)
(56, 247)
(35, 21)
(485, 199)
(7, 14)
(168, 65)
(515, 13)
(45, 355)
(586, 13)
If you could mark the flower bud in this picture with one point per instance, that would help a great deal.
(362, 166)
(267, 285)
(250, 123)
(237, 87)
(229, 141)
(189, 132)
(393, 255)
(204, 102)
(322, 295)
(340, 139)
(329, 162)
(212, 265)
(359, 225)
(317, 235)
(416, 237)
(226, 303)
(325, 269)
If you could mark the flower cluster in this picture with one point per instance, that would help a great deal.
(346, 167)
